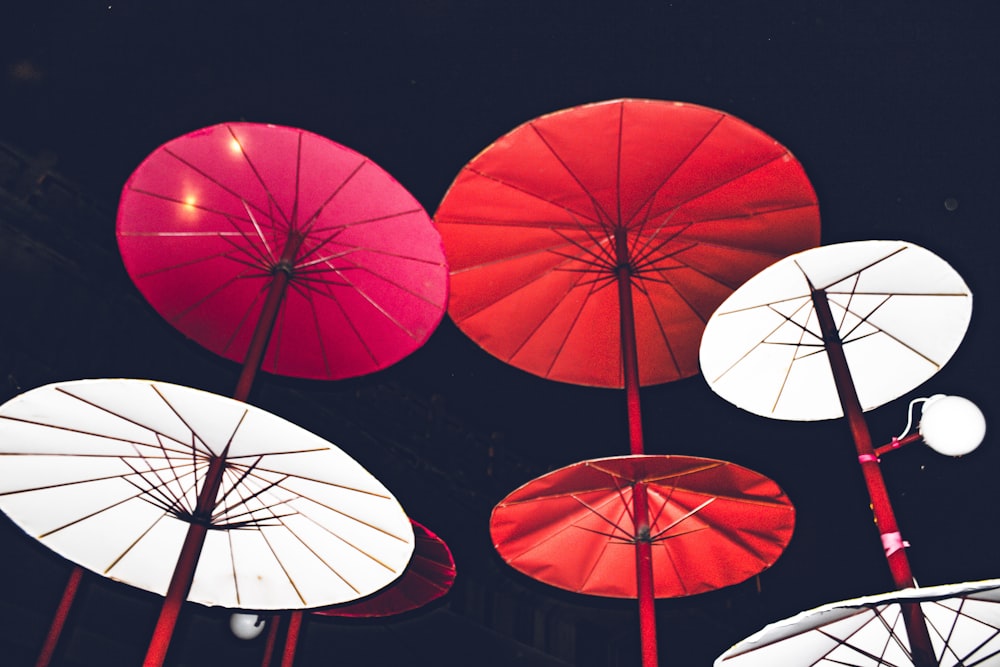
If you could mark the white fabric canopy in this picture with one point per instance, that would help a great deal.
(963, 621)
(900, 310)
(106, 473)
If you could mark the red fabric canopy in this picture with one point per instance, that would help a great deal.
(210, 220)
(712, 524)
(537, 228)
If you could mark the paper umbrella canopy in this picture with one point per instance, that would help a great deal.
(106, 474)
(963, 620)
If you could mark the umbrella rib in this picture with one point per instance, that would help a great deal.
(194, 433)
(604, 257)
(686, 515)
(309, 280)
(118, 415)
(569, 330)
(534, 195)
(260, 469)
(69, 429)
(341, 538)
(332, 232)
(785, 319)
(721, 184)
(245, 317)
(788, 371)
(844, 642)
(598, 207)
(964, 660)
(660, 326)
(268, 254)
(372, 301)
(204, 174)
(260, 179)
(90, 515)
(131, 546)
(648, 202)
(233, 569)
(244, 473)
(159, 489)
(310, 222)
(185, 204)
(301, 289)
(856, 272)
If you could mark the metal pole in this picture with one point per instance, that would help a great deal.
(892, 542)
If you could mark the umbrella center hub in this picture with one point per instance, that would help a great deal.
(283, 266)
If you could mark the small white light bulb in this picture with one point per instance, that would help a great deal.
(952, 425)
(246, 626)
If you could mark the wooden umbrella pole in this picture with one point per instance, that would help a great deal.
(885, 519)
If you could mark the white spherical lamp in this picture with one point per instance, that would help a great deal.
(246, 626)
(952, 425)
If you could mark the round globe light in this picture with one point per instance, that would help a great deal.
(246, 626)
(952, 425)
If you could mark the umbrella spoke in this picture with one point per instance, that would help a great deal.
(268, 256)
(160, 489)
(601, 249)
(844, 642)
(650, 198)
(253, 168)
(721, 184)
(253, 308)
(661, 327)
(310, 222)
(202, 173)
(659, 534)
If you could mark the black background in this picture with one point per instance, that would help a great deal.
(891, 107)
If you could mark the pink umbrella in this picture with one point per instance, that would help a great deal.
(282, 250)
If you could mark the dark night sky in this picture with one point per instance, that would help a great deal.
(891, 107)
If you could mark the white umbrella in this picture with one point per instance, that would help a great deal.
(107, 473)
(900, 310)
(963, 620)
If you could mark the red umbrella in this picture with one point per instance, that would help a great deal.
(428, 576)
(592, 237)
(236, 228)
(574, 527)
(610, 229)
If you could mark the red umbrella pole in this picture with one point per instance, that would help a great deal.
(292, 638)
(272, 638)
(59, 620)
(183, 576)
(640, 503)
(644, 576)
(630, 357)
(262, 332)
(282, 273)
(187, 562)
(885, 519)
